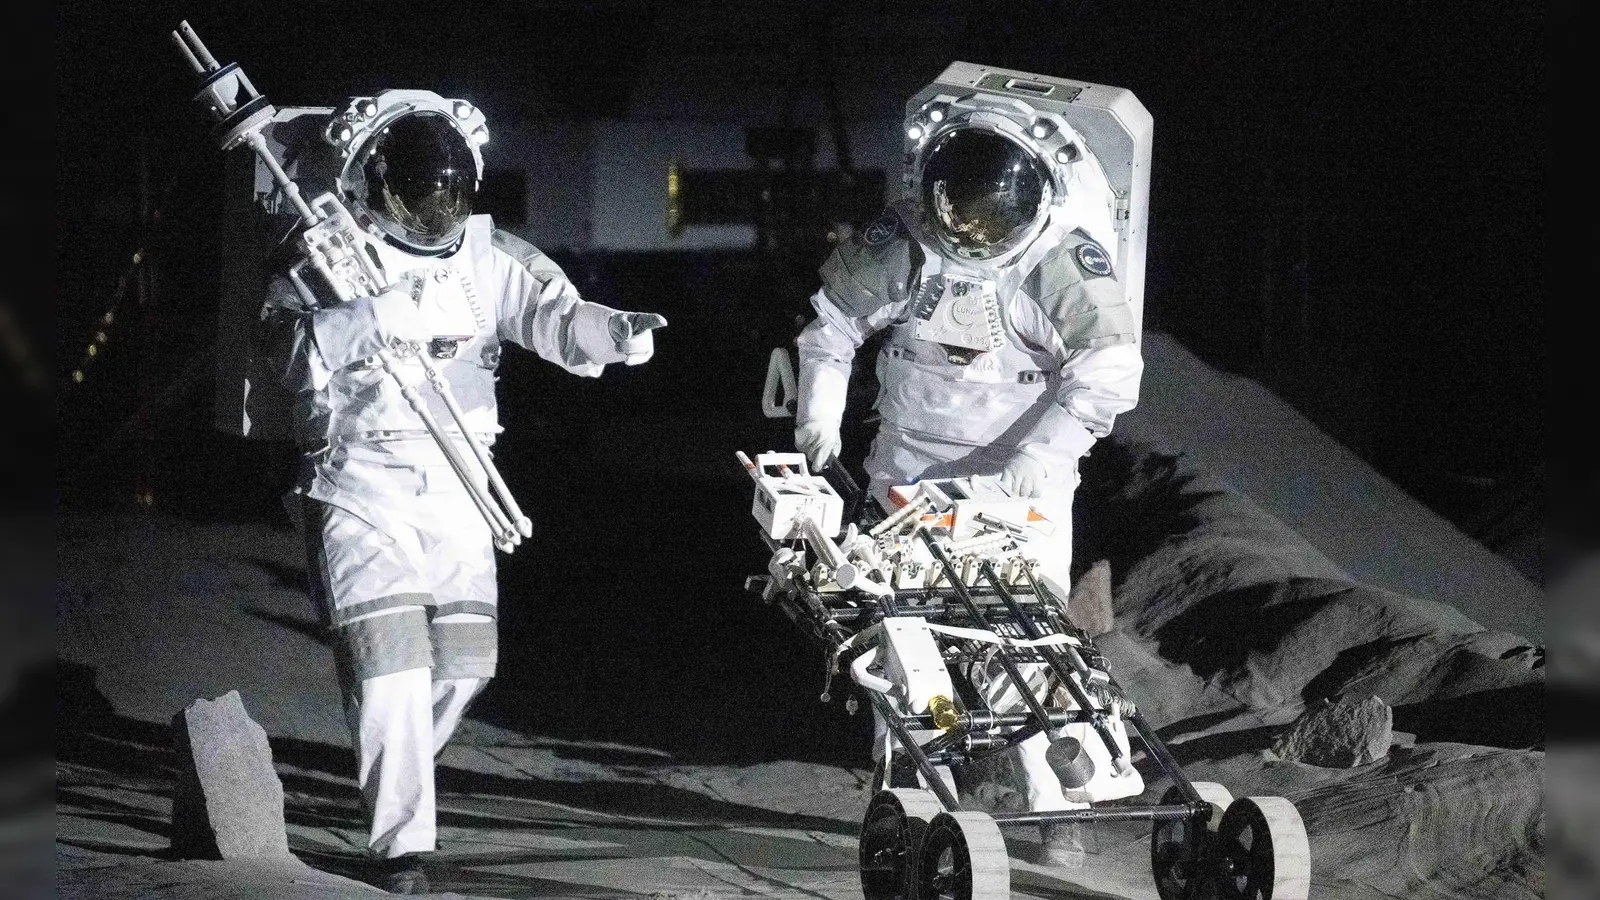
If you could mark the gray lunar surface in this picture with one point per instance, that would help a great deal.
(678, 748)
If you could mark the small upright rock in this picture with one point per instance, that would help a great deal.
(1089, 603)
(1339, 735)
(227, 802)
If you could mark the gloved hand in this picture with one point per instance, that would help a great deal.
(631, 331)
(364, 326)
(398, 319)
(820, 409)
(604, 335)
(819, 441)
(1024, 475)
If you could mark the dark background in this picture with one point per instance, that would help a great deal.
(1347, 199)
(1347, 206)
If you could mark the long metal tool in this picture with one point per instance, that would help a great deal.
(333, 246)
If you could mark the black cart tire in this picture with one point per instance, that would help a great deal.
(891, 832)
(962, 856)
(1269, 856)
(1179, 852)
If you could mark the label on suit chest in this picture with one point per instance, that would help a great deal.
(959, 312)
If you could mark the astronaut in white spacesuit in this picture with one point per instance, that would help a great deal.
(402, 561)
(1010, 346)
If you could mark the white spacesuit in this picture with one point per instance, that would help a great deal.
(1010, 345)
(402, 560)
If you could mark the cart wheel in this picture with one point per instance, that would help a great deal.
(962, 857)
(1263, 841)
(1177, 848)
(895, 822)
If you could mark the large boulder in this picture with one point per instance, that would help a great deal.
(1339, 735)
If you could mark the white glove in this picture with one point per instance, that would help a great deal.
(1024, 475)
(820, 409)
(604, 335)
(819, 441)
(399, 320)
(364, 326)
(631, 331)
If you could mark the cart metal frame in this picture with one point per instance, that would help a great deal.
(920, 842)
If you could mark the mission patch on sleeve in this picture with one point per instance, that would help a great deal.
(1093, 260)
(882, 230)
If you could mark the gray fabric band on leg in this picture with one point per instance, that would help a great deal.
(464, 649)
(476, 607)
(383, 645)
(378, 604)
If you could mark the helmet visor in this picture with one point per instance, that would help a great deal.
(982, 192)
(420, 180)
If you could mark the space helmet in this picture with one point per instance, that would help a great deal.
(987, 169)
(411, 166)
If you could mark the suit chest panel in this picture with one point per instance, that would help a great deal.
(454, 312)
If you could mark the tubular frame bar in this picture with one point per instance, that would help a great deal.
(1158, 813)
(1169, 766)
(1065, 671)
(909, 745)
(1009, 664)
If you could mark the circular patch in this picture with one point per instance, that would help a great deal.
(1093, 259)
(968, 310)
(882, 230)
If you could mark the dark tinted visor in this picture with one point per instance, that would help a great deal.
(421, 179)
(981, 191)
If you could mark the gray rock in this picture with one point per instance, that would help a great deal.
(227, 802)
(1089, 602)
(1339, 735)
